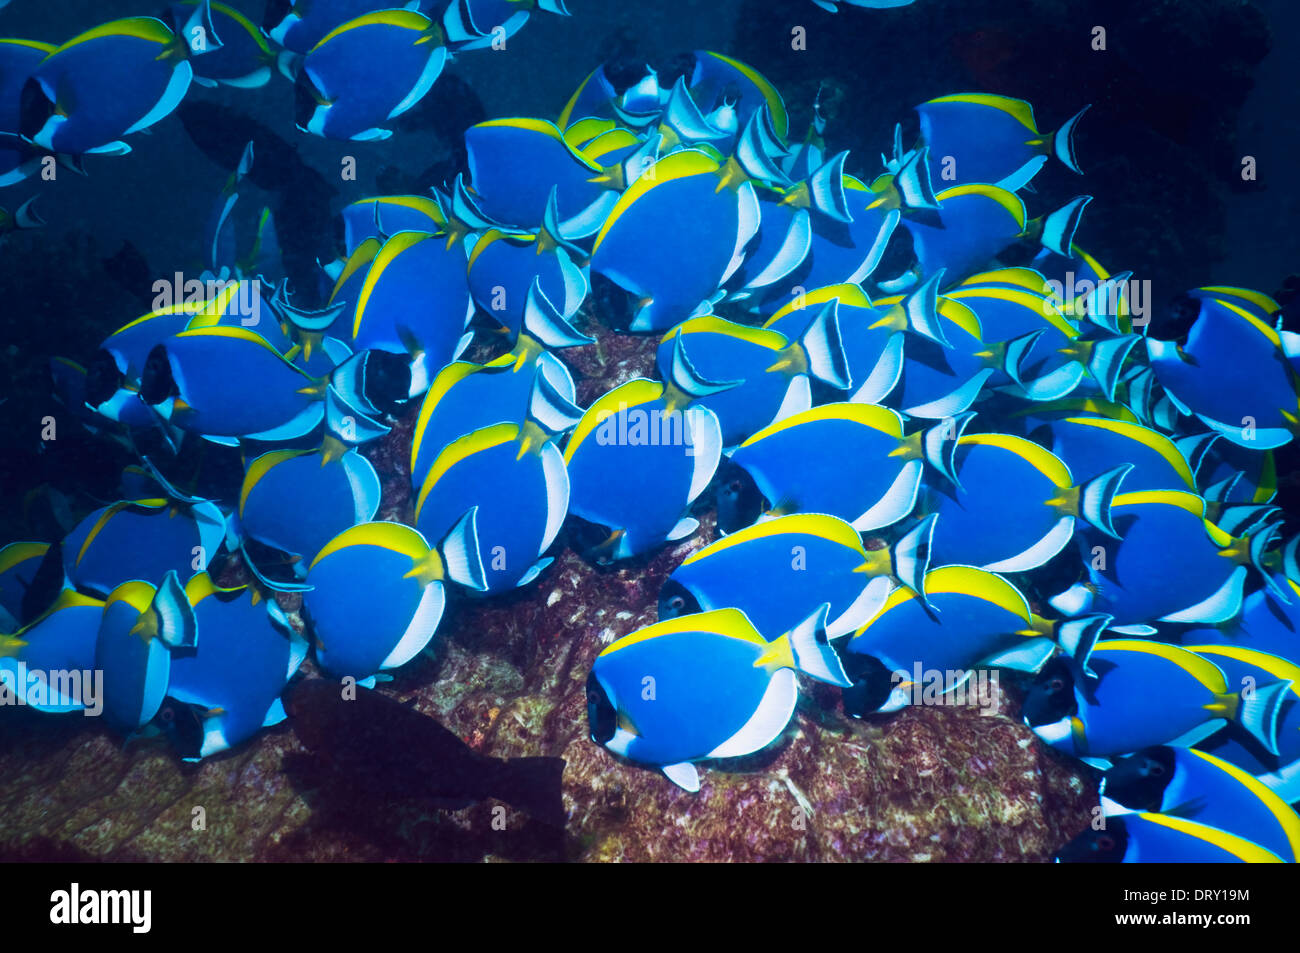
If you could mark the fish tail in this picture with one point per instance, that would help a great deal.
(824, 348)
(26, 217)
(534, 785)
(460, 552)
(912, 181)
(1096, 495)
(939, 444)
(1056, 229)
(1259, 711)
(1107, 361)
(1063, 141)
(812, 652)
(910, 555)
(921, 308)
(683, 376)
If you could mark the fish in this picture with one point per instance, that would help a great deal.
(1146, 694)
(140, 540)
(414, 300)
(22, 588)
(45, 663)
(239, 54)
(1234, 374)
(680, 194)
(229, 383)
(1013, 505)
(847, 460)
(833, 5)
(968, 618)
(1268, 622)
(1200, 787)
(1271, 756)
(1092, 445)
(657, 452)
(515, 164)
(975, 223)
(777, 572)
(378, 592)
(140, 628)
(1199, 569)
(376, 743)
(775, 373)
(296, 501)
(19, 158)
(104, 84)
(1149, 838)
(503, 268)
(368, 71)
(479, 24)
(23, 217)
(465, 397)
(702, 686)
(979, 137)
(514, 475)
(300, 26)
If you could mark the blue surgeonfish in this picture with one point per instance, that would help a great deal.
(299, 26)
(775, 372)
(1090, 445)
(702, 686)
(973, 619)
(503, 268)
(1150, 838)
(849, 460)
(298, 500)
(234, 51)
(385, 215)
(378, 591)
(873, 352)
(1234, 374)
(368, 71)
(1269, 621)
(636, 249)
(465, 397)
(141, 539)
(777, 571)
(478, 24)
(109, 82)
(245, 655)
(1202, 788)
(979, 137)
(514, 474)
(230, 383)
(640, 456)
(19, 563)
(1170, 563)
(516, 164)
(1145, 694)
(1274, 759)
(46, 664)
(141, 627)
(1014, 505)
(414, 300)
(19, 157)
(976, 222)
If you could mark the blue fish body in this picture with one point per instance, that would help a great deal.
(139, 540)
(777, 572)
(242, 662)
(298, 500)
(111, 81)
(243, 59)
(387, 215)
(1162, 839)
(370, 70)
(61, 640)
(635, 249)
(801, 464)
(18, 565)
(378, 591)
(516, 477)
(1091, 445)
(503, 267)
(18, 60)
(974, 223)
(636, 463)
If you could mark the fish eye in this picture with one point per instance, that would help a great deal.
(167, 714)
(1105, 842)
(735, 486)
(1056, 685)
(676, 602)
